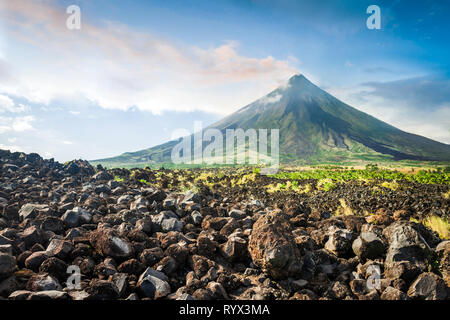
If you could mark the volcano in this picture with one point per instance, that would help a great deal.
(313, 127)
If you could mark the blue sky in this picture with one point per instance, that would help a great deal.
(138, 70)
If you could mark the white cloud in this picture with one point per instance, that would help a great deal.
(7, 105)
(22, 123)
(66, 142)
(12, 148)
(119, 67)
(270, 99)
(432, 123)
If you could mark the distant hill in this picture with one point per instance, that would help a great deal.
(314, 127)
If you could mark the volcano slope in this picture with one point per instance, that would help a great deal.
(314, 127)
(139, 234)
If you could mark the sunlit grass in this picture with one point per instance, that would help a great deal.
(446, 195)
(393, 185)
(326, 184)
(441, 226)
(344, 209)
(118, 179)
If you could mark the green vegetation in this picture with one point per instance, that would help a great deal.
(422, 176)
(326, 184)
(143, 181)
(118, 179)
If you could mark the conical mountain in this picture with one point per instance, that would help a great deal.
(313, 126)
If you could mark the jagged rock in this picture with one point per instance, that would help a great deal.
(339, 241)
(197, 217)
(338, 290)
(217, 290)
(42, 282)
(443, 252)
(168, 221)
(7, 286)
(368, 246)
(391, 293)
(84, 215)
(31, 210)
(428, 286)
(101, 290)
(71, 218)
(49, 295)
(7, 249)
(272, 247)
(120, 280)
(79, 295)
(31, 236)
(7, 265)
(153, 284)
(59, 248)
(102, 176)
(407, 253)
(215, 223)
(124, 199)
(149, 257)
(235, 249)
(108, 243)
(405, 243)
(237, 214)
(206, 246)
(35, 260)
(55, 267)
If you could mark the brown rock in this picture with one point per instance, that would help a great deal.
(107, 242)
(272, 246)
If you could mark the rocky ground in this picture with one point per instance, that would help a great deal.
(131, 239)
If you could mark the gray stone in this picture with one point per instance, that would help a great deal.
(35, 260)
(84, 215)
(237, 214)
(49, 295)
(235, 249)
(19, 295)
(339, 241)
(43, 282)
(391, 293)
(6, 248)
(59, 248)
(102, 176)
(7, 265)
(428, 286)
(30, 210)
(71, 218)
(124, 199)
(368, 246)
(108, 243)
(153, 284)
(7, 286)
(172, 224)
(102, 188)
(405, 244)
(197, 217)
